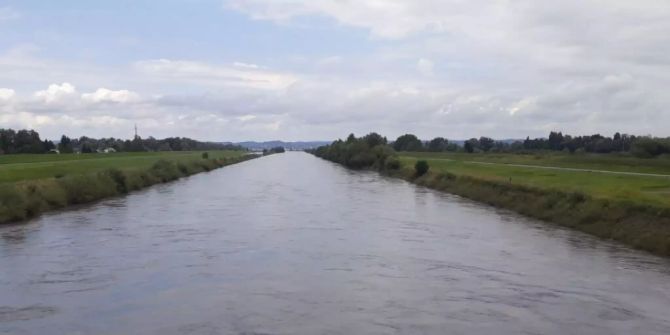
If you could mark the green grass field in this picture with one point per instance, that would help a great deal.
(16, 168)
(638, 189)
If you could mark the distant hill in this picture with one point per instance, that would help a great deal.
(258, 146)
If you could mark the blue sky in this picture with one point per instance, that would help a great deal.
(319, 69)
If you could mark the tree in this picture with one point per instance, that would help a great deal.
(136, 145)
(28, 141)
(374, 139)
(407, 142)
(647, 147)
(438, 144)
(65, 145)
(555, 141)
(486, 143)
(48, 145)
(471, 145)
(86, 149)
(358, 154)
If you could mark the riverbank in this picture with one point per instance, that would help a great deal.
(27, 198)
(645, 227)
(634, 210)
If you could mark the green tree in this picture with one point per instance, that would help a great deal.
(374, 139)
(407, 142)
(471, 145)
(86, 149)
(65, 145)
(486, 143)
(438, 144)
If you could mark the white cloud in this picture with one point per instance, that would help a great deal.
(384, 18)
(246, 65)
(425, 67)
(217, 75)
(451, 68)
(102, 95)
(56, 93)
(245, 118)
(6, 94)
(274, 126)
(511, 68)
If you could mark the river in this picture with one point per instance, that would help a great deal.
(291, 244)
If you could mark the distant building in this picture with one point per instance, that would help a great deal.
(106, 150)
(54, 151)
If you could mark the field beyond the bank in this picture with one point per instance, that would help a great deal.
(24, 167)
(640, 189)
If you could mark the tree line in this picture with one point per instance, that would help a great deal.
(369, 151)
(274, 150)
(29, 142)
(640, 146)
(351, 151)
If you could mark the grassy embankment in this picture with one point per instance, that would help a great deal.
(33, 184)
(631, 209)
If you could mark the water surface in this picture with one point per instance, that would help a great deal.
(290, 244)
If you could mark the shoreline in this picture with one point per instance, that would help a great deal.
(637, 225)
(643, 227)
(25, 200)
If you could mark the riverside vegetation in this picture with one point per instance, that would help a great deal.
(33, 184)
(632, 209)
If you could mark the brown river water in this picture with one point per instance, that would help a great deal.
(291, 244)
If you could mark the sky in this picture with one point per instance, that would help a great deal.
(236, 70)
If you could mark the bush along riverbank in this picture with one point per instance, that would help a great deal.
(24, 200)
(645, 227)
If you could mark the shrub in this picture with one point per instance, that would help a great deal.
(205, 155)
(12, 204)
(81, 189)
(393, 164)
(361, 160)
(421, 168)
(183, 168)
(51, 194)
(165, 170)
(119, 178)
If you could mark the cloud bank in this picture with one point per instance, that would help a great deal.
(448, 68)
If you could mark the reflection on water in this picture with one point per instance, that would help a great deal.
(290, 244)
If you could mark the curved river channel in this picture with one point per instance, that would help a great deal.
(291, 244)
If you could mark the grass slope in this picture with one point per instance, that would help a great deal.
(30, 187)
(634, 210)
